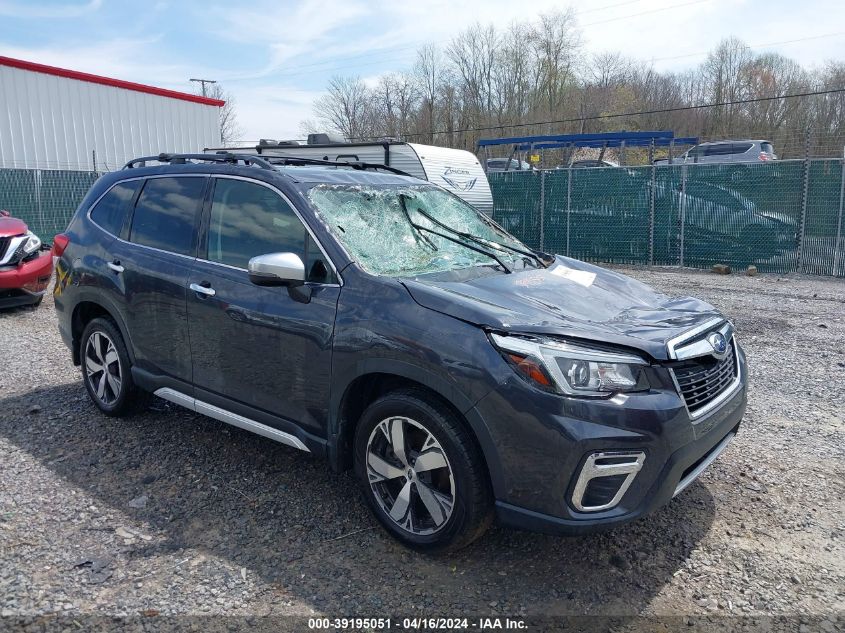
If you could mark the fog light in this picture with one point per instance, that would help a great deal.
(604, 479)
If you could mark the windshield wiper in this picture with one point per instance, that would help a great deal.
(418, 234)
(482, 240)
(420, 227)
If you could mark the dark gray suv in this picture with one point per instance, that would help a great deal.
(381, 322)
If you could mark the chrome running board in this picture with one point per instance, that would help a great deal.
(177, 397)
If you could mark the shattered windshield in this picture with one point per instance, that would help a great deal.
(377, 227)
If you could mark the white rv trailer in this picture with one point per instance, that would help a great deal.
(457, 170)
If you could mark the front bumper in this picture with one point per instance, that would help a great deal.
(543, 441)
(25, 283)
(33, 276)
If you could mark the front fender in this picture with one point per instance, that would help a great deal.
(435, 382)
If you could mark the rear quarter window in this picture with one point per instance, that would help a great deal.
(110, 212)
(166, 215)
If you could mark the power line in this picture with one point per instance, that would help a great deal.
(802, 39)
(626, 114)
(635, 15)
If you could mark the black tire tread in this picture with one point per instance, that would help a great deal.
(479, 504)
(134, 399)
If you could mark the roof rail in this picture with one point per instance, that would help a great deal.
(182, 159)
(354, 164)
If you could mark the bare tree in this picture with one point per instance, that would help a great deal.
(429, 76)
(346, 108)
(493, 82)
(230, 129)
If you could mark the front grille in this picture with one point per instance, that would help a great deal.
(4, 244)
(703, 379)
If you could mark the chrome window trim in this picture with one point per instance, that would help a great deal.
(686, 481)
(202, 259)
(115, 184)
(719, 400)
(177, 397)
(298, 215)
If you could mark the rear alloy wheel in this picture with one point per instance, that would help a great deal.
(422, 472)
(102, 368)
(106, 370)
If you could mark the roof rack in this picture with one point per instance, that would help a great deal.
(182, 159)
(354, 164)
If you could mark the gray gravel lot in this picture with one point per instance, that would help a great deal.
(170, 512)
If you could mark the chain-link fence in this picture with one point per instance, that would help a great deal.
(782, 216)
(44, 198)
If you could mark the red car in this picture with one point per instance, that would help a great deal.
(25, 264)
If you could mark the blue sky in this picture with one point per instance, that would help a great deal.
(276, 57)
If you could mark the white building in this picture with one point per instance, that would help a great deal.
(52, 118)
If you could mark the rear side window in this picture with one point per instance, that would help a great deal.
(110, 212)
(767, 147)
(248, 219)
(166, 214)
(720, 149)
(741, 148)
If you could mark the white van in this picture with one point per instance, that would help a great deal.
(457, 170)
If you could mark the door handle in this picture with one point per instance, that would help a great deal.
(115, 266)
(202, 289)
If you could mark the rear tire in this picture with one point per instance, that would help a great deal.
(422, 473)
(106, 370)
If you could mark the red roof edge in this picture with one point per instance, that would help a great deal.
(107, 81)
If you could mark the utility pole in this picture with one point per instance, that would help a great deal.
(203, 82)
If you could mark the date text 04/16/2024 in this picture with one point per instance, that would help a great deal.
(417, 623)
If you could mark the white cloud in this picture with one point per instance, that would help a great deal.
(48, 11)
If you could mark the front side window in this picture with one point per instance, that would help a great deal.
(166, 213)
(376, 226)
(248, 219)
(110, 212)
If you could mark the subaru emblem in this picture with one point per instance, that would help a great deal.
(717, 342)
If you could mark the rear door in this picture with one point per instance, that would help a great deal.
(150, 265)
(257, 351)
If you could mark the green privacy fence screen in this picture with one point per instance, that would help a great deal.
(782, 216)
(44, 199)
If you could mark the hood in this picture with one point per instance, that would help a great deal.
(570, 298)
(10, 227)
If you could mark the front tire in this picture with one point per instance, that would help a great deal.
(422, 474)
(106, 370)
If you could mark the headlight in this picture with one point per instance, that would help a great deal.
(32, 243)
(570, 368)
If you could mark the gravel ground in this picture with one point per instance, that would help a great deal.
(169, 513)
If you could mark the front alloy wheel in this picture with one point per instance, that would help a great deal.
(422, 471)
(410, 475)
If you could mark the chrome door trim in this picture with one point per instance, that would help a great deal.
(177, 397)
(686, 481)
(209, 292)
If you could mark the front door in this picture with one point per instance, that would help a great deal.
(257, 349)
